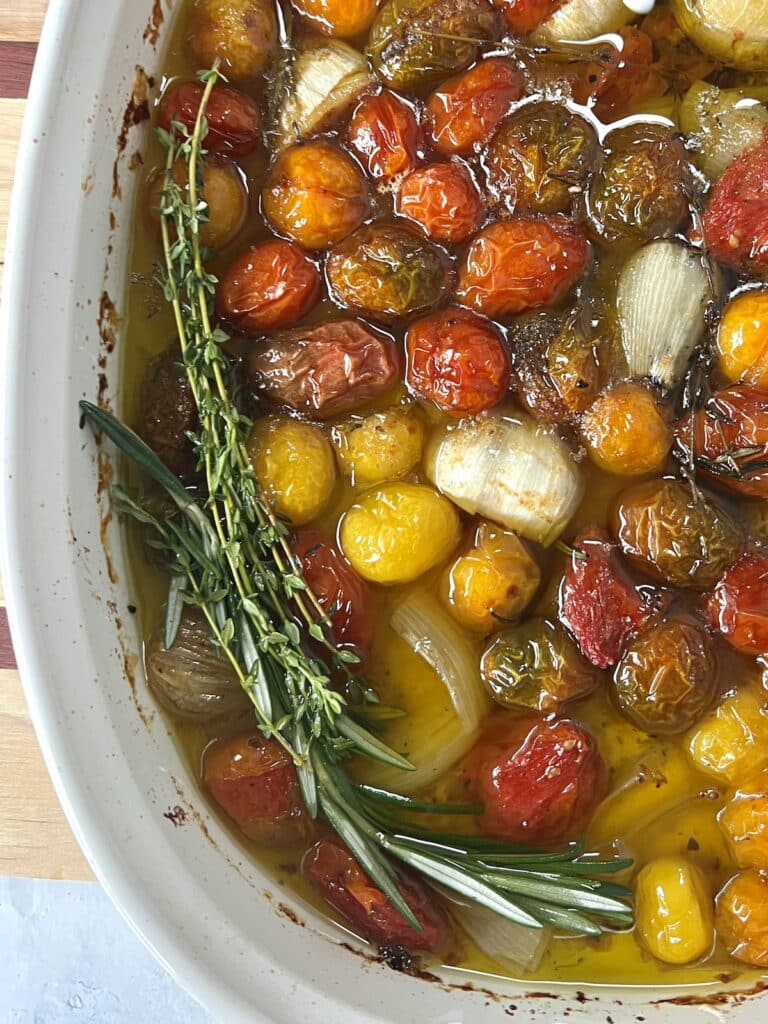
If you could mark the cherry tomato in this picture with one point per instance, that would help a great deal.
(523, 16)
(738, 606)
(341, 593)
(458, 361)
(344, 18)
(234, 120)
(539, 782)
(337, 876)
(598, 604)
(222, 186)
(273, 284)
(385, 135)
(522, 263)
(741, 917)
(611, 86)
(241, 34)
(444, 200)
(736, 220)
(464, 112)
(253, 779)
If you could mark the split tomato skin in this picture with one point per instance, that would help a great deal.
(234, 119)
(738, 606)
(736, 219)
(443, 200)
(385, 135)
(336, 875)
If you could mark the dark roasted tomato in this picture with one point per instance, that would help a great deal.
(169, 413)
(337, 876)
(738, 606)
(341, 593)
(730, 439)
(458, 361)
(241, 34)
(234, 119)
(464, 112)
(253, 779)
(272, 285)
(522, 264)
(523, 16)
(386, 136)
(611, 84)
(444, 200)
(539, 782)
(598, 603)
(736, 219)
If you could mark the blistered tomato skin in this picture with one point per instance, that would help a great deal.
(241, 34)
(736, 219)
(742, 339)
(456, 360)
(613, 86)
(253, 779)
(523, 16)
(385, 135)
(443, 200)
(741, 917)
(384, 446)
(465, 111)
(272, 285)
(674, 910)
(341, 593)
(234, 119)
(539, 782)
(626, 433)
(337, 876)
(744, 820)
(732, 740)
(738, 606)
(521, 264)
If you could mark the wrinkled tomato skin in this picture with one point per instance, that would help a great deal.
(443, 200)
(385, 135)
(521, 264)
(736, 219)
(523, 16)
(612, 86)
(272, 285)
(234, 120)
(538, 781)
(465, 111)
(738, 605)
(458, 361)
(598, 604)
(337, 876)
(341, 593)
(253, 779)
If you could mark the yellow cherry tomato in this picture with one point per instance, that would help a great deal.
(741, 917)
(742, 339)
(383, 446)
(673, 910)
(625, 432)
(732, 741)
(295, 466)
(744, 819)
(343, 18)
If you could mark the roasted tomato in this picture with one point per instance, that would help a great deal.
(444, 200)
(169, 413)
(380, 447)
(458, 361)
(341, 593)
(387, 272)
(342, 18)
(736, 220)
(741, 917)
(326, 370)
(738, 606)
(315, 194)
(539, 782)
(539, 159)
(626, 431)
(222, 187)
(523, 16)
(386, 136)
(522, 264)
(744, 820)
(242, 34)
(742, 339)
(464, 112)
(272, 285)
(730, 440)
(643, 189)
(337, 876)
(234, 119)
(598, 603)
(665, 680)
(612, 85)
(675, 536)
(253, 779)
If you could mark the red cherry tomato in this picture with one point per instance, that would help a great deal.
(253, 779)
(736, 220)
(458, 361)
(337, 876)
(444, 200)
(598, 604)
(339, 590)
(385, 135)
(539, 782)
(522, 263)
(738, 606)
(234, 120)
(272, 285)
(611, 86)
(465, 111)
(523, 16)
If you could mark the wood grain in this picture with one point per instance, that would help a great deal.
(11, 115)
(22, 20)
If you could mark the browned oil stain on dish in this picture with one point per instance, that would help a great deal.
(155, 23)
(716, 998)
(177, 816)
(109, 322)
(136, 112)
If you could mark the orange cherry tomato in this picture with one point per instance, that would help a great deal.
(611, 86)
(736, 220)
(523, 16)
(234, 119)
(738, 606)
(444, 200)
(464, 112)
(522, 263)
(385, 135)
(272, 285)
(458, 361)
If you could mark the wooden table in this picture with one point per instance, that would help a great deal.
(35, 840)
